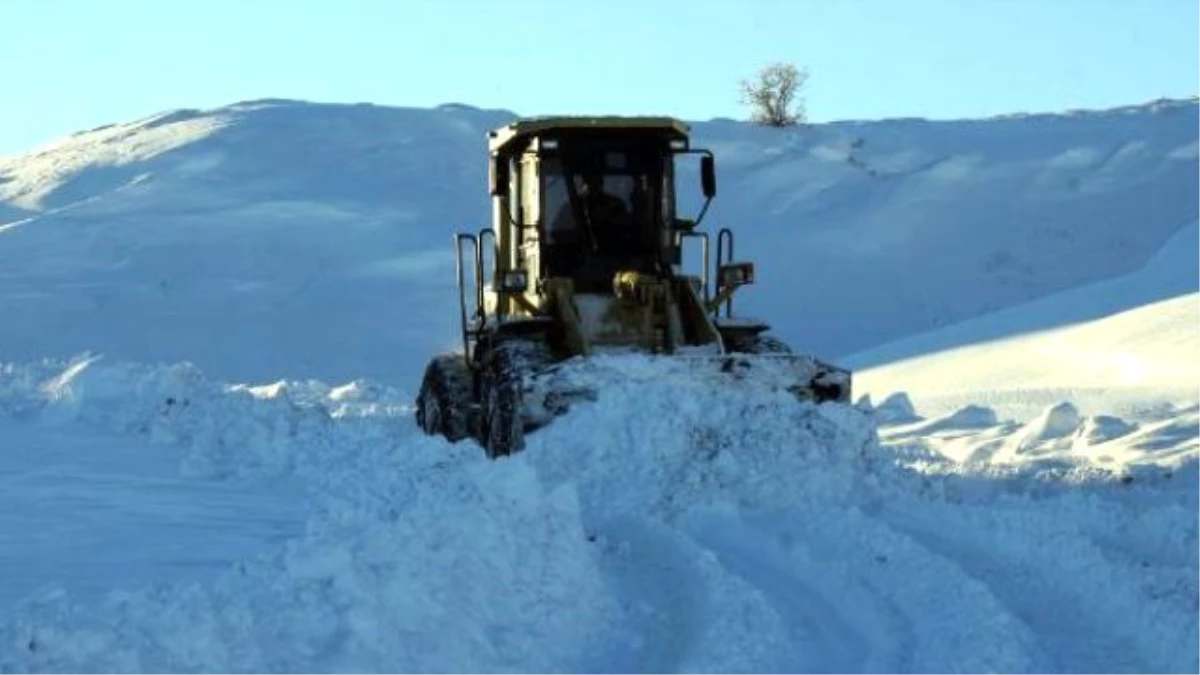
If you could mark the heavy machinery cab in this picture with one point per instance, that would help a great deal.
(577, 202)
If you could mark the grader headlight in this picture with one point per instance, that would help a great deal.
(627, 285)
(735, 274)
(514, 281)
(638, 287)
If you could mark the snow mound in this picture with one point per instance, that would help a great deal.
(896, 408)
(1057, 421)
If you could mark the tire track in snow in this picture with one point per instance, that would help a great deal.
(836, 627)
(908, 607)
(766, 471)
(1084, 610)
(659, 585)
(684, 611)
(835, 602)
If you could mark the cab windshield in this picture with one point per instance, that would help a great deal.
(602, 212)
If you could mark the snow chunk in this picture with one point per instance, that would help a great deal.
(1101, 428)
(896, 409)
(1052, 431)
(1057, 421)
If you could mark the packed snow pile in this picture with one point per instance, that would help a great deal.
(663, 527)
(974, 435)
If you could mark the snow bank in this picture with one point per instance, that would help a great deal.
(1164, 439)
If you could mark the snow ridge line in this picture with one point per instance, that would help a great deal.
(223, 430)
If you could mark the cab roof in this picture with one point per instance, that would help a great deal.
(501, 138)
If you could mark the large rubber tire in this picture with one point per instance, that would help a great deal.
(503, 428)
(505, 432)
(444, 400)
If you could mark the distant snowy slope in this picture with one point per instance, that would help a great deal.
(1172, 272)
(1105, 359)
(279, 238)
(869, 231)
(261, 239)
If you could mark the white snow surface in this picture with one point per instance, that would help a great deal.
(212, 324)
(661, 528)
(92, 510)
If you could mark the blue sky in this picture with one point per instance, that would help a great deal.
(74, 64)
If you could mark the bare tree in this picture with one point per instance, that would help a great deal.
(772, 95)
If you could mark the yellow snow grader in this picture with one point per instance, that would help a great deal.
(585, 256)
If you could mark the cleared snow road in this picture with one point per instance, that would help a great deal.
(91, 511)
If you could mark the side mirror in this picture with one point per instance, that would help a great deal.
(708, 176)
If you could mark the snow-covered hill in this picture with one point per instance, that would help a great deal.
(210, 235)
(223, 237)
(1030, 283)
